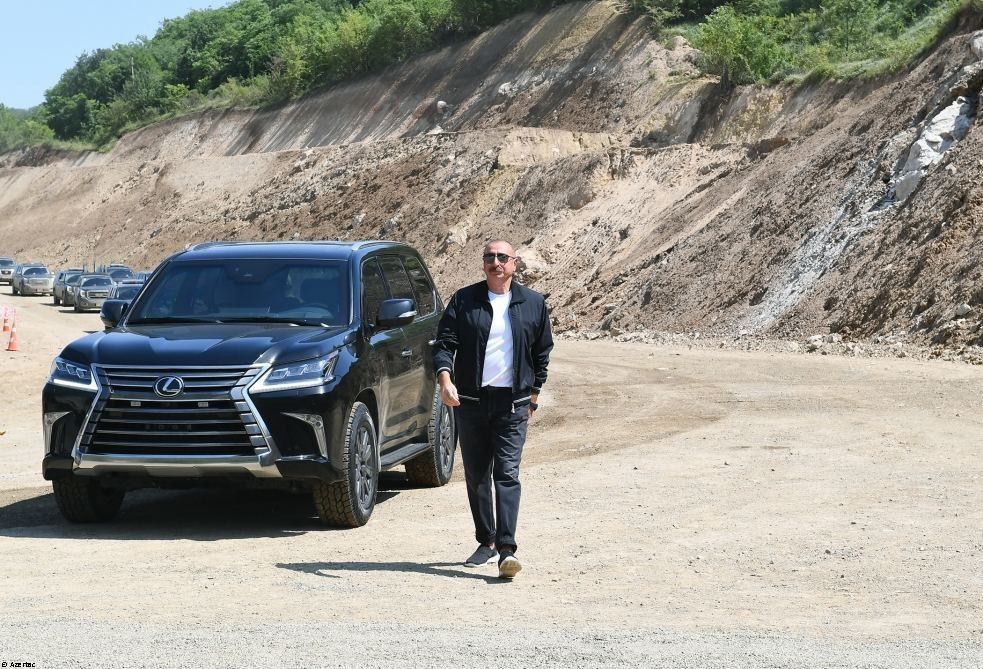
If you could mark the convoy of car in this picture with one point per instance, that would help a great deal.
(73, 286)
(304, 366)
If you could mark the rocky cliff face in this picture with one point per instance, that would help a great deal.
(640, 193)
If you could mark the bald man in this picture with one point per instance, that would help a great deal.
(491, 354)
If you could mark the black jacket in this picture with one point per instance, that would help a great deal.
(463, 335)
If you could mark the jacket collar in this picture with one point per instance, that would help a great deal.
(519, 292)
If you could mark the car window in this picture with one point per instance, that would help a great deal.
(35, 271)
(97, 282)
(6, 262)
(422, 288)
(399, 284)
(373, 291)
(73, 279)
(290, 290)
(127, 292)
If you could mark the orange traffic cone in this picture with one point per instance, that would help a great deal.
(12, 342)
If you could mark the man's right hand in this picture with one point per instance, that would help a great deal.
(448, 391)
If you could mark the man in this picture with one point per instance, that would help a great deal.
(492, 350)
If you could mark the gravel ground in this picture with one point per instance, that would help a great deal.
(691, 507)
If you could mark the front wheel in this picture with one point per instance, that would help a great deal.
(349, 502)
(433, 467)
(85, 500)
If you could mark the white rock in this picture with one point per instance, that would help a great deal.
(833, 338)
(976, 44)
(963, 309)
(507, 89)
(906, 185)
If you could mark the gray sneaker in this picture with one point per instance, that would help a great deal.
(484, 555)
(508, 566)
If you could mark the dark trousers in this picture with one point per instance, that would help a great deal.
(492, 435)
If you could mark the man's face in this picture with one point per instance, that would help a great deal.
(492, 261)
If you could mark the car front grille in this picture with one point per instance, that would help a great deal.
(96, 294)
(210, 417)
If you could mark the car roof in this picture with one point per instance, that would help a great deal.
(299, 250)
(93, 275)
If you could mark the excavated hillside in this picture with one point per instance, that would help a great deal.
(642, 194)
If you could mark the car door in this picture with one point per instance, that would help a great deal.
(419, 334)
(383, 355)
(404, 372)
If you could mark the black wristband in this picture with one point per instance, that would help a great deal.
(533, 406)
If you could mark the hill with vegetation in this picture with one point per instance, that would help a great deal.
(647, 190)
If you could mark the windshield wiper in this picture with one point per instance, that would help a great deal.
(271, 319)
(172, 319)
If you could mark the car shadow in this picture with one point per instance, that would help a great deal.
(432, 568)
(196, 514)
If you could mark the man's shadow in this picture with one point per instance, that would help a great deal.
(432, 568)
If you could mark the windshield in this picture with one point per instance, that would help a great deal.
(6, 262)
(309, 292)
(73, 279)
(127, 292)
(118, 274)
(35, 271)
(97, 282)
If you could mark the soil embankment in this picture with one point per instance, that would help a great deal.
(642, 195)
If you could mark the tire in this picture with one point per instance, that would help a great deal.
(75, 307)
(85, 500)
(349, 502)
(433, 468)
(55, 299)
(13, 290)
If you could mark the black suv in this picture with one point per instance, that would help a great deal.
(302, 365)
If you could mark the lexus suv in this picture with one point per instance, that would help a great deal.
(303, 365)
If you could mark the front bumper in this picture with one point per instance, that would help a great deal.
(37, 289)
(295, 437)
(84, 302)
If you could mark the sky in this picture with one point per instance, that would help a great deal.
(40, 39)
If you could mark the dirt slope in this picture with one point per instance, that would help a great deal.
(642, 194)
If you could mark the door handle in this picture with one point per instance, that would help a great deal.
(406, 352)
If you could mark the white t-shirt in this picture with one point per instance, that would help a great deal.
(498, 352)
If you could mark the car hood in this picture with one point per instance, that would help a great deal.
(206, 344)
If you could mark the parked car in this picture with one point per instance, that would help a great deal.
(7, 265)
(120, 273)
(143, 276)
(125, 291)
(33, 279)
(71, 283)
(91, 291)
(300, 365)
(61, 285)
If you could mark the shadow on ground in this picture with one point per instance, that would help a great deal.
(199, 514)
(432, 568)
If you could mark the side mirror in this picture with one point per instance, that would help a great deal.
(395, 313)
(112, 312)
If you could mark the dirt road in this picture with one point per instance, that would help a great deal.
(681, 508)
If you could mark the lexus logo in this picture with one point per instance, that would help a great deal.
(169, 386)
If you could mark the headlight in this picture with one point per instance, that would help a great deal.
(307, 374)
(71, 375)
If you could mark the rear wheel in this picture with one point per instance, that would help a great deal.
(433, 467)
(349, 502)
(55, 299)
(86, 500)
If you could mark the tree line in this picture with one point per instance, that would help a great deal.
(256, 52)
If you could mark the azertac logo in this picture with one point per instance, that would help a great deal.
(169, 386)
